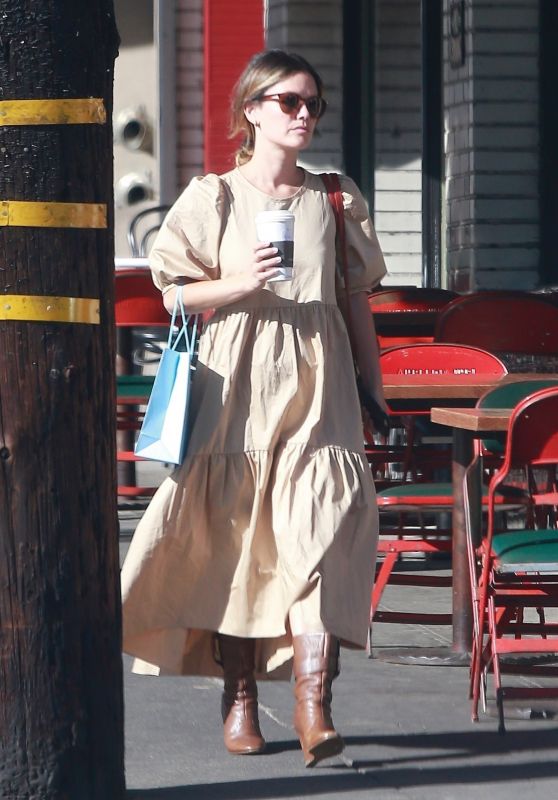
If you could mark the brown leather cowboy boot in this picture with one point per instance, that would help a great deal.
(239, 705)
(316, 664)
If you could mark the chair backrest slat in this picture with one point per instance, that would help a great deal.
(440, 359)
(502, 322)
(410, 298)
(533, 430)
(508, 395)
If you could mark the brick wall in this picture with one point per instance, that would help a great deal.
(491, 132)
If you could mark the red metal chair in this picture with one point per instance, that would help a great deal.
(432, 359)
(488, 456)
(512, 324)
(409, 512)
(138, 310)
(407, 315)
(517, 569)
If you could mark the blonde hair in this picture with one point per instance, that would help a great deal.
(262, 71)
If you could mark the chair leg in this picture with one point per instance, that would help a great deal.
(381, 581)
(500, 705)
(476, 667)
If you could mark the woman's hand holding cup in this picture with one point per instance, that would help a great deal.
(264, 266)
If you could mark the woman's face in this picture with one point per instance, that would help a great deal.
(290, 129)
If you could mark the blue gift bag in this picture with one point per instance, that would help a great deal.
(164, 431)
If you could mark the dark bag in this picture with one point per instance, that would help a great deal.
(377, 414)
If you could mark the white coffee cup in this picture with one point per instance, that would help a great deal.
(277, 227)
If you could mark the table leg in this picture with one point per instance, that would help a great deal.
(462, 616)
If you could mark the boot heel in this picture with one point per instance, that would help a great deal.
(326, 748)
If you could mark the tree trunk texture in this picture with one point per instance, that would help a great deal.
(61, 707)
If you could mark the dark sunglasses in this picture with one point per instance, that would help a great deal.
(291, 102)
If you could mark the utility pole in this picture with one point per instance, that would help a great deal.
(61, 707)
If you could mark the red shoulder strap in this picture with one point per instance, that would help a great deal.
(335, 197)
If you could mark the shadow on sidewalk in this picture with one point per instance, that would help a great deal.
(389, 772)
(471, 744)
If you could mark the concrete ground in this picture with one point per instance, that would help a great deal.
(407, 730)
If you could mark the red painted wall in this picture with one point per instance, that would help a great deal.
(233, 31)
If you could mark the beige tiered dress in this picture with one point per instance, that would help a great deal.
(274, 506)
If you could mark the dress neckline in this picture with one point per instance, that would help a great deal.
(272, 197)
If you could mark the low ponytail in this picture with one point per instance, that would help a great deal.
(262, 71)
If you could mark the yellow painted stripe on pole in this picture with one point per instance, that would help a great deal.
(52, 215)
(67, 111)
(42, 308)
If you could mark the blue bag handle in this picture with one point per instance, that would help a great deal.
(188, 333)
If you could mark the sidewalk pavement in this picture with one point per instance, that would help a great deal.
(407, 731)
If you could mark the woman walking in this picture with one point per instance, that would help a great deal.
(255, 558)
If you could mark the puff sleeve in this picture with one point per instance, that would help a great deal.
(366, 266)
(187, 245)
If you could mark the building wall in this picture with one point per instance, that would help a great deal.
(398, 138)
(491, 123)
(491, 132)
(314, 29)
(189, 90)
(136, 171)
